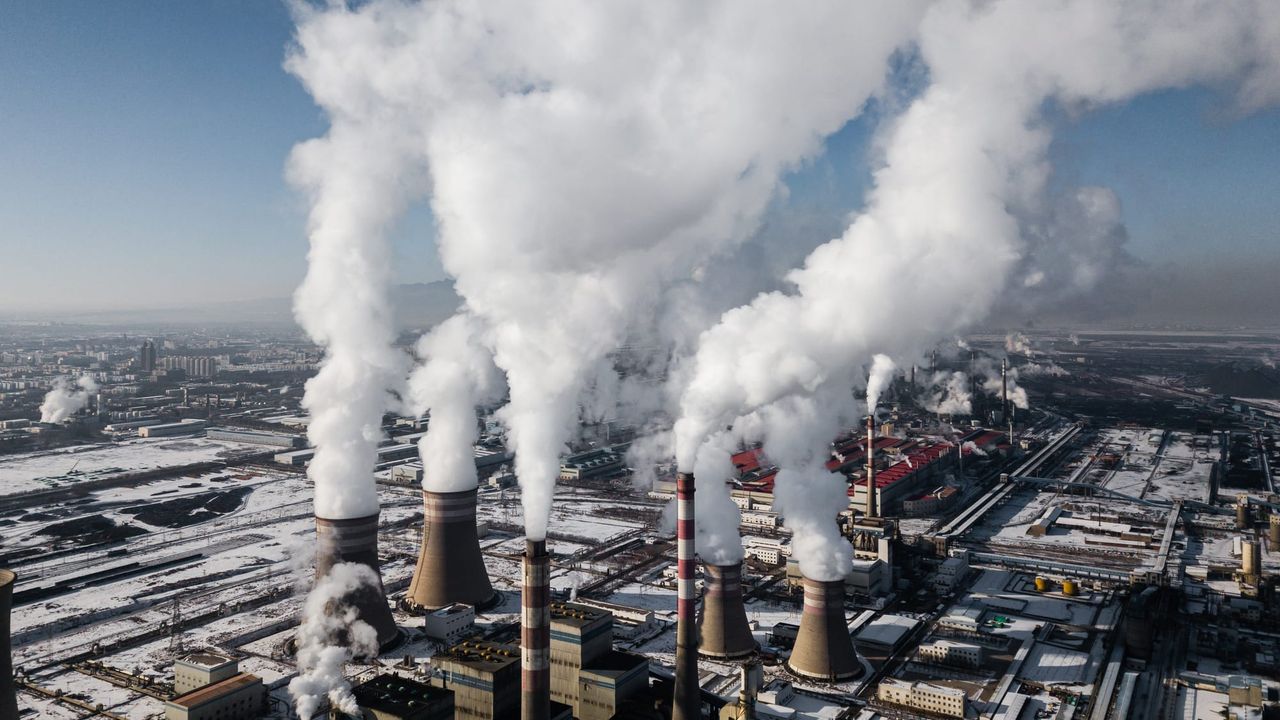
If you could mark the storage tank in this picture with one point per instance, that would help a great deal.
(1042, 585)
(1275, 531)
(1070, 587)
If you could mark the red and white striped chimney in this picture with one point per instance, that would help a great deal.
(687, 693)
(535, 633)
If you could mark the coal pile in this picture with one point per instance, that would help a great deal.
(190, 510)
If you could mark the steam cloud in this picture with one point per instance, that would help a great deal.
(575, 175)
(62, 401)
(717, 516)
(965, 172)
(951, 394)
(329, 636)
(882, 368)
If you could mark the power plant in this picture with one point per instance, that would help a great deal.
(355, 540)
(823, 649)
(725, 632)
(450, 568)
(687, 697)
(535, 633)
(8, 696)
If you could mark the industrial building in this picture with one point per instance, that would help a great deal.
(391, 697)
(587, 673)
(210, 686)
(951, 652)
(591, 464)
(450, 624)
(485, 679)
(256, 437)
(186, 427)
(922, 696)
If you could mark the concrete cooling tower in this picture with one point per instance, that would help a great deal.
(823, 649)
(355, 540)
(8, 697)
(450, 568)
(723, 625)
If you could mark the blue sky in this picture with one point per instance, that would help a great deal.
(142, 146)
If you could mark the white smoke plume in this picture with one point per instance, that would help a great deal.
(972, 447)
(882, 367)
(950, 394)
(962, 167)
(1016, 342)
(994, 385)
(717, 516)
(456, 374)
(644, 455)
(579, 169)
(329, 636)
(1051, 369)
(1075, 339)
(62, 401)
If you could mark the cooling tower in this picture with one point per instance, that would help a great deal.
(823, 649)
(8, 698)
(356, 541)
(687, 702)
(1250, 560)
(535, 633)
(1242, 512)
(724, 628)
(450, 569)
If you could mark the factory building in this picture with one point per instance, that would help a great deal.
(950, 652)
(922, 696)
(204, 367)
(186, 427)
(391, 697)
(591, 464)
(210, 686)
(450, 624)
(485, 679)
(257, 437)
(910, 468)
(587, 674)
(8, 694)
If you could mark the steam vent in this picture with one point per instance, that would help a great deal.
(450, 569)
(724, 628)
(8, 700)
(823, 649)
(356, 540)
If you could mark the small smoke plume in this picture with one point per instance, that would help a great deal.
(62, 401)
(1016, 342)
(457, 374)
(644, 456)
(950, 394)
(329, 636)
(1050, 369)
(284, 390)
(972, 447)
(882, 367)
(717, 517)
(1075, 339)
(993, 384)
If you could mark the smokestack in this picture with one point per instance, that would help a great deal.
(355, 540)
(871, 467)
(1275, 531)
(535, 633)
(687, 700)
(8, 696)
(1004, 390)
(725, 631)
(1242, 512)
(450, 568)
(823, 649)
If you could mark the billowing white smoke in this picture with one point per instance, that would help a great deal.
(972, 447)
(1016, 342)
(993, 384)
(950, 395)
(62, 401)
(962, 165)
(882, 368)
(455, 376)
(329, 636)
(717, 517)
(578, 169)
(1050, 368)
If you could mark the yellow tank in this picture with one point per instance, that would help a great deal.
(1069, 587)
(1042, 585)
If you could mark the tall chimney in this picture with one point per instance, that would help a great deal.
(1004, 390)
(725, 631)
(687, 700)
(450, 568)
(823, 649)
(355, 540)
(871, 466)
(8, 696)
(535, 633)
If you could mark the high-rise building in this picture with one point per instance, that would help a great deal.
(147, 356)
